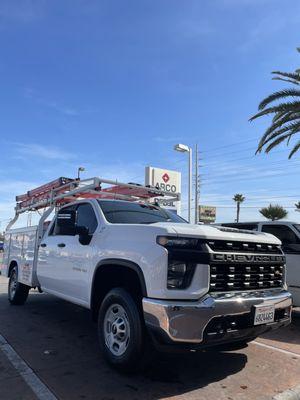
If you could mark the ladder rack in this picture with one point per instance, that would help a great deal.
(65, 190)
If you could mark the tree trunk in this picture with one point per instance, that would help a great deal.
(238, 211)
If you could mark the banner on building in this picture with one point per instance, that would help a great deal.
(207, 214)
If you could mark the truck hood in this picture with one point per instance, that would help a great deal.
(216, 232)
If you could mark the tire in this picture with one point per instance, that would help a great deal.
(121, 331)
(17, 292)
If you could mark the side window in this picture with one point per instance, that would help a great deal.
(86, 217)
(64, 227)
(290, 241)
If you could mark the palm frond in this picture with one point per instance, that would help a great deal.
(278, 95)
(286, 80)
(287, 117)
(295, 149)
(279, 115)
(296, 128)
(291, 75)
(264, 140)
(293, 106)
(284, 108)
(290, 128)
(276, 142)
(289, 139)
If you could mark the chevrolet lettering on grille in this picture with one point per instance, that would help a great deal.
(247, 258)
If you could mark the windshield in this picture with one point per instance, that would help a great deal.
(297, 226)
(122, 212)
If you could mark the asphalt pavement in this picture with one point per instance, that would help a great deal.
(49, 351)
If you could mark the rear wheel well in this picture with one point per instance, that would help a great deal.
(111, 276)
(11, 266)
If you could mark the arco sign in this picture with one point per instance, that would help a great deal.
(167, 180)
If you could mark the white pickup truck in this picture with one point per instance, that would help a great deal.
(148, 276)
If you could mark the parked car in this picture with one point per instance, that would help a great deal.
(289, 234)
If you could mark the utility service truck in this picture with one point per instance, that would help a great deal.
(146, 274)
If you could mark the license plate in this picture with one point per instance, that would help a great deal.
(264, 315)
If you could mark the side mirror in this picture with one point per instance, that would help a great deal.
(83, 233)
(65, 223)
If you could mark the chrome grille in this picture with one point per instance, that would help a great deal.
(245, 265)
(244, 247)
(227, 277)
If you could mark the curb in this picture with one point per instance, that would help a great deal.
(290, 394)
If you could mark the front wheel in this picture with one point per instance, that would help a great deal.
(17, 292)
(121, 330)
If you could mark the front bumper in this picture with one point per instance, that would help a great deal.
(216, 318)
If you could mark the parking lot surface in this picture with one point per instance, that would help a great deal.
(58, 342)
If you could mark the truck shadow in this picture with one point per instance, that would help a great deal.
(58, 340)
(289, 334)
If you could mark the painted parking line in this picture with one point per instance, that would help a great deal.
(41, 391)
(268, 346)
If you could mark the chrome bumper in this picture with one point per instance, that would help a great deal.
(186, 322)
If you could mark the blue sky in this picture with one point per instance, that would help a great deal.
(113, 85)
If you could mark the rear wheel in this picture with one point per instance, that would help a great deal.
(121, 330)
(17, 292)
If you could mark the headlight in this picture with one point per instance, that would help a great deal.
(169, 241)
(180, 274)
(183, 255)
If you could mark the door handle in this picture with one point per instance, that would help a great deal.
(61, 245)
(43, 245)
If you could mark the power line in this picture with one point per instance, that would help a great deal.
(244, 158)
(245, 172)
(250, 164)
(230, 145)
(247, 179)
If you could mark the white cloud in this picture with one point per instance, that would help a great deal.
(32, 94)
(8, 187)
(42, 151)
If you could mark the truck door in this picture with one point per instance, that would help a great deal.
(291, 247)
(69, 253)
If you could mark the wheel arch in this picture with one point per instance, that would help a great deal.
(106, 269)
(12, 264)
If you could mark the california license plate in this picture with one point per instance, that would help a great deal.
(264, 314)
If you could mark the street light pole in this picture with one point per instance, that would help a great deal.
(196, 183)
(182, 148)
(80, 169)
(190, 185)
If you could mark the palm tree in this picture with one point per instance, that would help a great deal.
(273, 212)
(297, 205)
(238, 198)
(284, 106)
